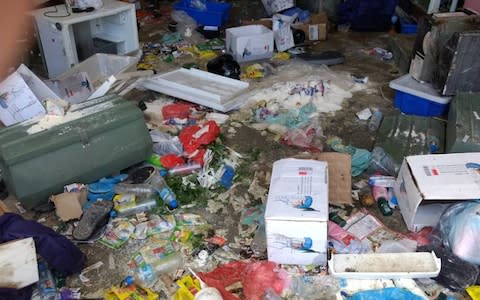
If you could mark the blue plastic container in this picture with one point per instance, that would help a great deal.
(415, 98)
(407, 28)
(216, 14)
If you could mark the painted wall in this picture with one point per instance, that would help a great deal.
(472, 4)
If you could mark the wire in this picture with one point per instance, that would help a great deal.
(49, 13)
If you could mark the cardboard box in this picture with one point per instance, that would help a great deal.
(316, 29)
(68, 206)
(427, 184)
(297, 212)
(251, 42)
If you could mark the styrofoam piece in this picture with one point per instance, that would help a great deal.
(204, 88)
(385, 265)
(426, 91)
(101, 66)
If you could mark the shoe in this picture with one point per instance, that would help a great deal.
(95, 217)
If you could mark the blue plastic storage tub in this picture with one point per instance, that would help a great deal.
(407, 28)
(415, 98)
(216, 14)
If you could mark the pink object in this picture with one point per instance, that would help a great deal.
(339, 234)
(472, 5)
(379, 192)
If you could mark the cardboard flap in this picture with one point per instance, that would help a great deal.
(339, 176)
(447, 176)
(68, 206)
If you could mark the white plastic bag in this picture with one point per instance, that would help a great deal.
(460, 230)
(97, 4)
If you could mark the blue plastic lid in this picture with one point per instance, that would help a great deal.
(173, 204)
(163, 172)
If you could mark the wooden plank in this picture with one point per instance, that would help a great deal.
(18, 264)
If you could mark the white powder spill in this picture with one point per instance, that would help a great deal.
(325, 95)
(48, 121)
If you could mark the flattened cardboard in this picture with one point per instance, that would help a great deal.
(339, 176)
(68, 206)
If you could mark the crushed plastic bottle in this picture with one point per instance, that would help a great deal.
(382, 162)
(157, 185)
(259, 242)
(165, 192)
(375, 120)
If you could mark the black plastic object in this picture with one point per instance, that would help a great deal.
(224, 65)
(324, 58)
(77, 10)
(298, 36)
(455, 273)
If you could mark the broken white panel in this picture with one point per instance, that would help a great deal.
(204, 88)
(385, 265)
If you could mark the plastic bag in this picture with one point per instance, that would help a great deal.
(97, 4)
(361, 158)
(460, 230)
(164, 143)
(185, 24)
(456, 274)
(198, 4)
(391, 293)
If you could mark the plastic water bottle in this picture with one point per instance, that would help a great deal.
(137, 189)
(382, 162)
(375, 120)
(165, 192)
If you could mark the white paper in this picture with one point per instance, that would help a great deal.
(17, 101)
(282, 33)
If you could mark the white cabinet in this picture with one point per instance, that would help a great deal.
(66, 40)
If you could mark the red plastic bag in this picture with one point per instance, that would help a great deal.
(176, 110)
(197, 135)
(171, 160)
(255, 277)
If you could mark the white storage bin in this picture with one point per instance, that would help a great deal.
(101, 66)
(251, 42)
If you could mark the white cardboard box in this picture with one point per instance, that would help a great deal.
(251, 42)
(427, 184)
(297, 212)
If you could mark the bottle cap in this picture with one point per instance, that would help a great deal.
(173, 204)
(128, 280)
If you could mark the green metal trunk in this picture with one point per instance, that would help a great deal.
(463, 129)
(107, 135)
(404, 135)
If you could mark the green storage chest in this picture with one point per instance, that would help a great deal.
(99, 137)
(463, 129)
(404, 135)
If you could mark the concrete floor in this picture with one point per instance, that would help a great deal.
(342, 123)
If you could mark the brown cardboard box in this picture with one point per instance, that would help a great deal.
(317, 29)
(69, 205)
